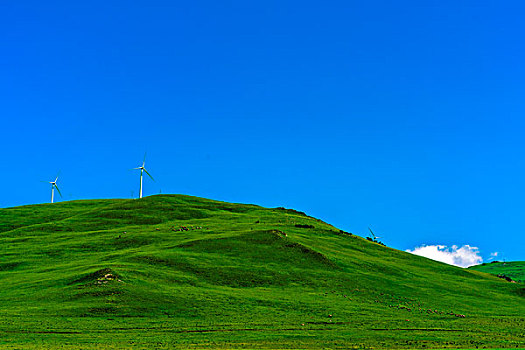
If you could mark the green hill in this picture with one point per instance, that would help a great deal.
(175, 271)
(515, 270)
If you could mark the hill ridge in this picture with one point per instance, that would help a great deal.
(190, 262)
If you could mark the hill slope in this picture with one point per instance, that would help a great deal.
(513, 269)
(180, 271)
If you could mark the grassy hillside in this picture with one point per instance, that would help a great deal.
(175, 271)
(514, 269)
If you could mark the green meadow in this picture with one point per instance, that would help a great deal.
(174, 271)
(513, 269)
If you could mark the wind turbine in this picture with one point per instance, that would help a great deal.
(373, 235)
(143, 169)
(53, 186)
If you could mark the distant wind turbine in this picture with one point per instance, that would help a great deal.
(53, 186)
(373, 235)
(143, 169)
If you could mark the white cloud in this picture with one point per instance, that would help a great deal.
(464, 256)
(493, 255)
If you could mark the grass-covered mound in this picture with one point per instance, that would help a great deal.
(179, 271)
(513, 270)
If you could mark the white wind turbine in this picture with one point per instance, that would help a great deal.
(373, 235)
(53, 186)
(143, 169)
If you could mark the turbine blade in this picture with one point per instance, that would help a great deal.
(144, 161)
(57, 176)
(58, 190)
(148, 174)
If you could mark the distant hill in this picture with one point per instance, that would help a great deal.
(513, 269)
(174, 271)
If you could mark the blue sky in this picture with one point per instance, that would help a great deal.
(406, 116)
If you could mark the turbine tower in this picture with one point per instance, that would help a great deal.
(53, 186)
(143, 170)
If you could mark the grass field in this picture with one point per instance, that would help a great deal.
(513, 269)
(174, 271)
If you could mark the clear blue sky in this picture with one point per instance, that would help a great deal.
(404, 115)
